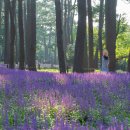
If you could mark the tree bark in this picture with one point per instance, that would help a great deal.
(110, 14)
(28, 30)
(25, 31)
(31, 35)
(21, 35)
(65, 26)
(59, 32)
(32, 47)
(96, 58)
(86, 57)
(1, 19)
(86, 65)
(101, 21)
(71, 25)
(0, 11)
(16, 42)
(6, 21)
(12, 6)
(81, 38)
(68, 21)
(90, 33)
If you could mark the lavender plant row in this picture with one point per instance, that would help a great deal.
(52, 101)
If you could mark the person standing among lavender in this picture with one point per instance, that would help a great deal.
(105, 61)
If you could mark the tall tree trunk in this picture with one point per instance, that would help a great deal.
(2, 45)
(26, 31)
(49, 42)
(90, 27)
(96, 58)
(31, 34)
(6, 21)
(12, 6)
(44, 44)
(81, 38)
(68, 21)
(55, 52)
(86, 65)
(65, 26)
(110, 14)
(59, 31)
(21, 35)
(85, 57)
(46, 53)
(72, 22)
(101, 21)
(0, 11)
(16, 41)
(32, 46)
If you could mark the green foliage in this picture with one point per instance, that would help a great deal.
(70, 54)
(123, 45)
(46, 30)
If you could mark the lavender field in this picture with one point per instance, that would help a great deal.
(52, 101)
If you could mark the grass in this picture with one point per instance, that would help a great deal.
(48, 70)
